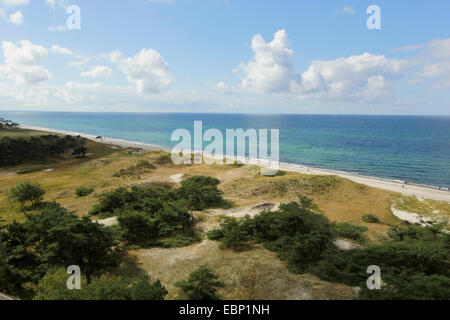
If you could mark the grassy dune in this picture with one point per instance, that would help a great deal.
(252, 274)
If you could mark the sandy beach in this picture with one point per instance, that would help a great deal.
(390, 185)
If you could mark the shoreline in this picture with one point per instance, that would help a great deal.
(427, 192)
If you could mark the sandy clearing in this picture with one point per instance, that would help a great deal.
(243, 211)
(345, 245)
(177, 177)
(410, 217)
(108, 221)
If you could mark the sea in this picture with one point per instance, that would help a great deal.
(415, 149)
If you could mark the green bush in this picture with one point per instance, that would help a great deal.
(27, 191)
(106, 287)
(83, 192)
(350, 231)
(201, 192)
(54, 238)
(370, 218)
(202, 284)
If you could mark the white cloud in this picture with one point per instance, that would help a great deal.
(61, 50)
(347, 10)
(81, 62)
(22, 62)
(271, 70)
(407, 48)
(98, 72)
(14, 3)
(16, 18)
(271, 67)
(147, 69)
(58, 28)
(363, 76)
(437, 63)
(221, 86)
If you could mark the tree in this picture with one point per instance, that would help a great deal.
(105, 287)
(137, 228)
(202, 284)
(80, 151)
(55, 238)
(27, 191)
(201, 192)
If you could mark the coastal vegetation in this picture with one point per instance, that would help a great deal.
(20, 150)
(161, 226)
(202, 284)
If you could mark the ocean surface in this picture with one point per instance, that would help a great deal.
(408, 148)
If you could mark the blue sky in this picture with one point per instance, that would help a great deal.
(226, 56)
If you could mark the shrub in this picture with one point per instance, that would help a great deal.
(370, 218)
(201, 192)
(202, 284)
(232, 233)
(106, 287)
(27, 191)
(83, 192)
(350, 231)
(137, 228)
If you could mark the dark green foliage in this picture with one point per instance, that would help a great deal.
(201, 192)
(232, 233)
(15, 151)
(80, 151)
(414, 265)
(139, 198)
(27, 191)
(138, 228)
(297, 234)
(202, 284)
(370, 218)
(350, 231)
(106, 287)
(54, 238)
(163, 159)
(83, 192)
(155, 216)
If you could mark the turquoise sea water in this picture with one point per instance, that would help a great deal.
(411, 148)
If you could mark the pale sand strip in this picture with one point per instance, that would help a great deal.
(390, 185)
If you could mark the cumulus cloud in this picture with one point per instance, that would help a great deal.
(147, 69)
(271, 67)
(23, 62)
(271, 70)
(61, 50)
(362, 76)
(98, 72)
(16, 18)
(437, 66)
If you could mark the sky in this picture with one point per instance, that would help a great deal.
(226, 56)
